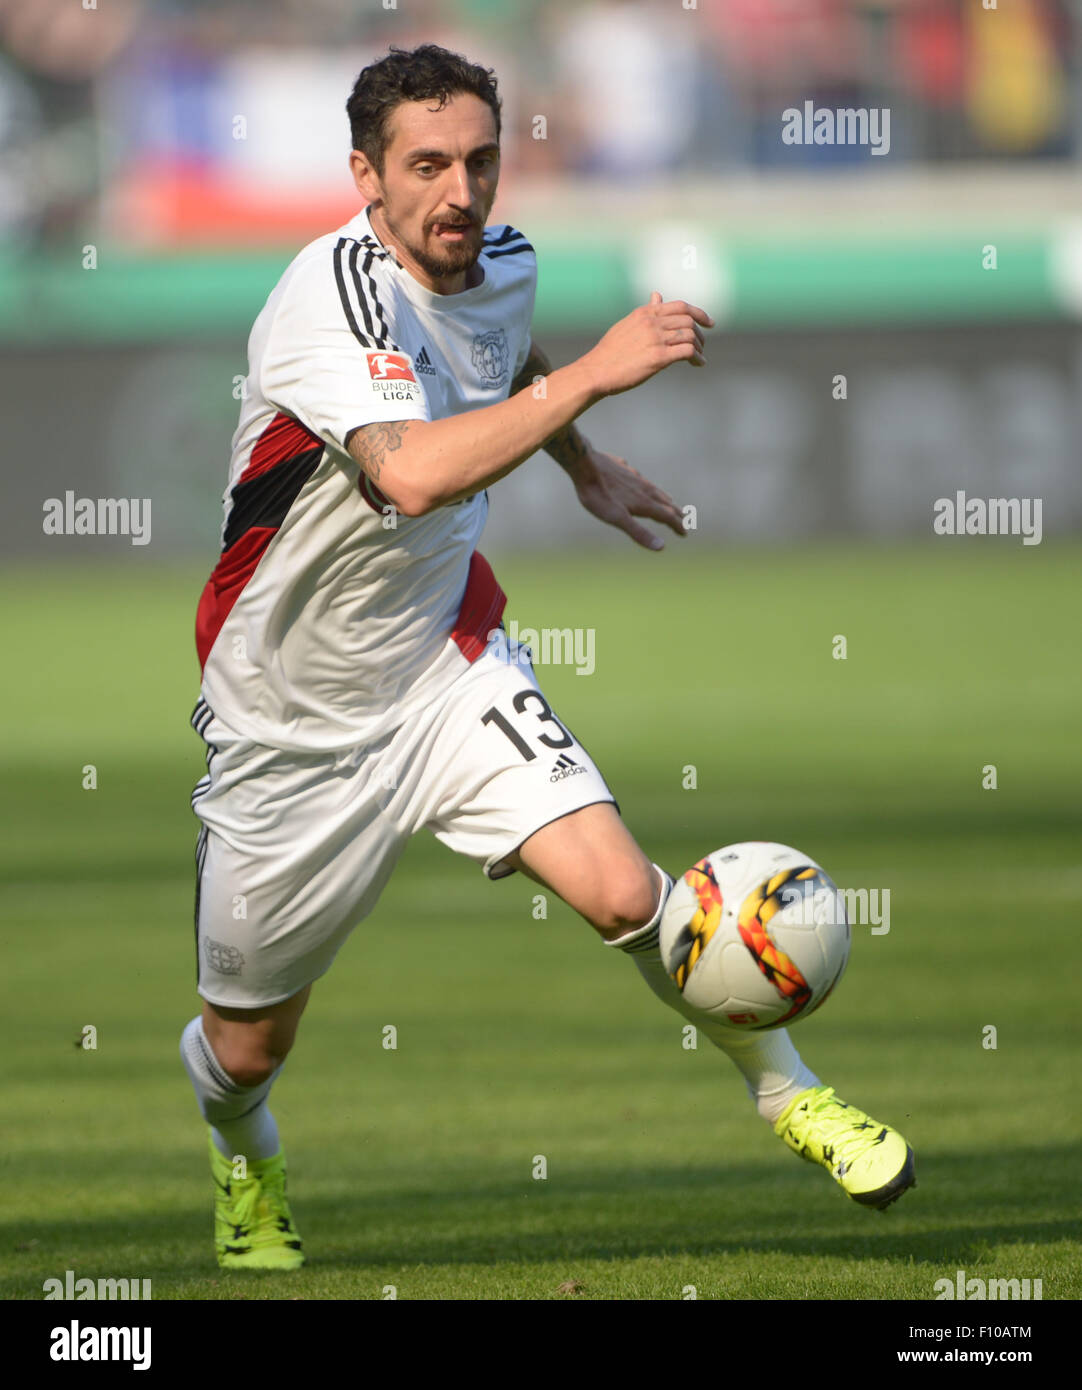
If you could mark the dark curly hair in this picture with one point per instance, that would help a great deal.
(427, 73)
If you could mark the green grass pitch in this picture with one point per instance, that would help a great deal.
(517, 1037)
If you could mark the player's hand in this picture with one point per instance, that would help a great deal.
(615, 493)
(651, 338)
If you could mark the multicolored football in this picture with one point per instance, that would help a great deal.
(755, 935)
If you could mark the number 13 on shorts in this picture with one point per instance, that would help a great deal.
(533, 711)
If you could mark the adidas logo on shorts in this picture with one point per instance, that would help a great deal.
(423, 363)
(564, 767)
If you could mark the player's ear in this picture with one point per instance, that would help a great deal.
(364, 176)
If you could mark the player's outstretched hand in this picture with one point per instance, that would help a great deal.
(614, 492)
(651, 338)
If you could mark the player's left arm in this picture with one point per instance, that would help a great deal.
(607, 486)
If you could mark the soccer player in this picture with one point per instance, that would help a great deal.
(357, 682)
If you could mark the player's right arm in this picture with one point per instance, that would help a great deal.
(420, 465)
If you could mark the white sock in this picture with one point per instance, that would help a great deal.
(772, 1068)
(770, 1064)
(241, 1122)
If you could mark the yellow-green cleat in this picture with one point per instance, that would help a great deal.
(869, 1160)
(253, 1226)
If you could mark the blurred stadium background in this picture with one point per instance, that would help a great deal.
(197, 146)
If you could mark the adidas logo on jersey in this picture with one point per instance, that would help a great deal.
(423, 363)
(564, 767)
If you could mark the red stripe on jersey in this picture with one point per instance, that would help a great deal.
(482, 607)
(283, 439)
(233, 570)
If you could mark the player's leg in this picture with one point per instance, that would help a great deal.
(235, 1048)
(233, 1057)
(252, 1044)
(590, 859)
(294, 851)
(513, 789)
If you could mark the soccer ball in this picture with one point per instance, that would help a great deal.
(755, 935)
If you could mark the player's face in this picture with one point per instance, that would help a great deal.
(437, 187)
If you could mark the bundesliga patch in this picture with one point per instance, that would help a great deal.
(389, 366)
(392, 376)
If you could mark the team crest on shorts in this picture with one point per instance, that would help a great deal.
(226, 960)
(490, 357)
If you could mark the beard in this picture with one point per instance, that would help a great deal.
(444, 261)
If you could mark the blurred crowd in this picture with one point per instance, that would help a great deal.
(141, 98)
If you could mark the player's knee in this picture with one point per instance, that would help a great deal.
(257, 1072)
(253, 1069)
(625, 900)
(249, 1061)
(251, 1046)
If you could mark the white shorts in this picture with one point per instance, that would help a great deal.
(296, 848)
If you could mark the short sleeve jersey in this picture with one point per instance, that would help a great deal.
(329, 617)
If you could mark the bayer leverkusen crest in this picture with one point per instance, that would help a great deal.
(491, 357)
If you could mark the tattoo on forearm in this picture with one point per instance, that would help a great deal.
(370, 444)
(566, 446)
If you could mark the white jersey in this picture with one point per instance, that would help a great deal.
(329, 618)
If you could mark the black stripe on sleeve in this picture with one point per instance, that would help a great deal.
(381, 337)
(514, 250)
(354, 252)
(343, 295)
(508, 234)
